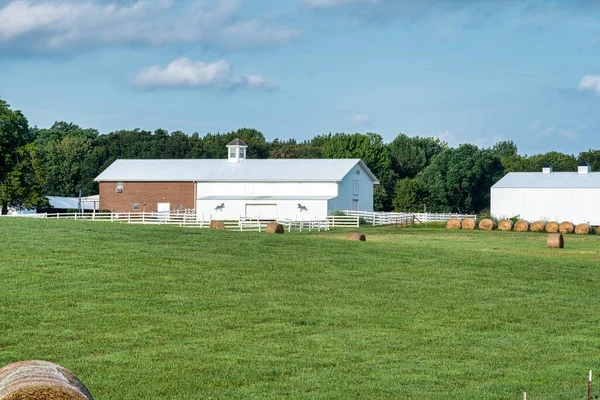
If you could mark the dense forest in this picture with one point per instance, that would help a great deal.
(416, 173)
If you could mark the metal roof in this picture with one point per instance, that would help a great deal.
(291, 170)
(551, 180)
(236, 142)
(89, 203)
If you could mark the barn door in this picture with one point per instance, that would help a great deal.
(261, 211)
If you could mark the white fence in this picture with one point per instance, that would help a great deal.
(190, 219)
(392, 218)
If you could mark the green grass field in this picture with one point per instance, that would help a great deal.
(154, 312)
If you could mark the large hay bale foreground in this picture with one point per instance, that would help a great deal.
(556, 241)
(28, 380)
(468, 224)
(583, 229)
(487, 225)
(274, 227)
(505, 225)
(538, 226)
(552, 227)
(521, 226)
(218, 225)
(356, 237)
(453, 223)
(566, 227)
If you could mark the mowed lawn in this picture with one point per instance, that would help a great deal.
(154, 312)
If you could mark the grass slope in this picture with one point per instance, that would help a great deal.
(152, 312)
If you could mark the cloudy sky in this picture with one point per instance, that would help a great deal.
(476, 71)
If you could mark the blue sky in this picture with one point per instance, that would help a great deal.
(476, 71)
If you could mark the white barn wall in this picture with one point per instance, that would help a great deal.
(266, 189)
(234, 209)
(577, 205)
(346, 192)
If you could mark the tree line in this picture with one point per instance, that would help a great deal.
(415, 173)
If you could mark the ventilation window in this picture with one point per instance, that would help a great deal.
(136, 206)
(120, 187)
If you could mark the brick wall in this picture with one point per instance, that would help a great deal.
(152, 193)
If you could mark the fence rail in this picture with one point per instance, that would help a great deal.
(190, 219)
(403, 219)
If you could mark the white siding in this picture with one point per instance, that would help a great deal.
(266, 188)
(234, 209)
(346, 190)
(577, 205)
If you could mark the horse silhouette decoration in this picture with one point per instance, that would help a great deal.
(302, 208)
(220, 208)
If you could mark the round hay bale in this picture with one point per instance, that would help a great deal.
(453, 223)
(218, 225)
(552, 227)
(566, 227)
(356, 237)
(505, 225)
(468, 224)
(583, 229)
(487, 225)
(538, 226)
(521, 226)
(556, 241)
(274, 227)
(40, 380)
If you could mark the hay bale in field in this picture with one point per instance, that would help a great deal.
(538, 226)
(274, 227)
(583, 229)
(487, 225)
(468, 224)
(552, 227)
(356, 237)
(453, 223)
(505, 225)
(556, 241)
(521, 226)
(566, 227)
(218, 225)
(40, 380)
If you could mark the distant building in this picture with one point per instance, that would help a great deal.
(237, 187)
(549, 196)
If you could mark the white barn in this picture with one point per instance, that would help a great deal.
(237, 187)
(549, 196)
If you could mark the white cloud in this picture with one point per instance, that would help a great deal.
(448, 137)
(51, 25)
(360, 119)
(590, 82)
(569, 134)
(333, 3)
(185, 73)
(540, 129)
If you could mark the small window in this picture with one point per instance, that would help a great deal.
(356, 187)
(120, 187)
(136, 206)
(232, 152)
(242, 152)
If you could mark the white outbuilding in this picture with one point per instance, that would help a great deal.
(549, 196)
(235, 187)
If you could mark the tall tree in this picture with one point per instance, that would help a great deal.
(459, 179)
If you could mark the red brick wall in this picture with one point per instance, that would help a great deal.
(151, 193)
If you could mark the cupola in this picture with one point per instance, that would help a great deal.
(584, 168)
(236, 151)
(547, 168)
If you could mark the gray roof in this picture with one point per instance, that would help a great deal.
(236, 142)
(291, 170)
(551, 180)
(89, 203)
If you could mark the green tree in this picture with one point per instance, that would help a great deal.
(24, 184)
(559, 161)
(592, 157)
(459, 179)
(410, 195)
(410, 155)
(14, 133)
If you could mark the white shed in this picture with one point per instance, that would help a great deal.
(237, 187)
(549, 196)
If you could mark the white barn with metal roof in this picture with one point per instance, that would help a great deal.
(549, 196)
(236, 187)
